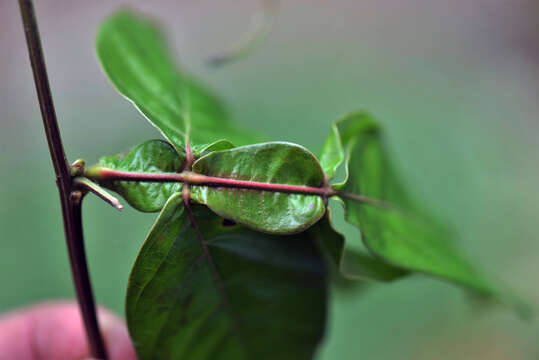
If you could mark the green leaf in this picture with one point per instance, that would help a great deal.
(204, 149)
(134, 56)
(231, 293)
(351, 264)
(332, 154)
(274, 163)
(152, 156)
(396, 232)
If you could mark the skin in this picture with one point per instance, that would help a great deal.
(54, 331)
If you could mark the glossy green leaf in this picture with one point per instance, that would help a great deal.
(234, 294)
(351, 264)
(134, 56)
(152, 156)
(274, 163)
(396, 232)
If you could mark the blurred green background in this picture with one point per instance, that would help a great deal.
(454, 82)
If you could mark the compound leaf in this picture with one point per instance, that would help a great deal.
(224, 293)
(267, 211)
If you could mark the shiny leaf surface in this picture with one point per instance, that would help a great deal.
(247, 296)
(273, 163)
(154, 156)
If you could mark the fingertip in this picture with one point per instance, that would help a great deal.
(55, 331)
(116, 336)
(44, 331)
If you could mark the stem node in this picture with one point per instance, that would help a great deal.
(77, 168)
(76, 196)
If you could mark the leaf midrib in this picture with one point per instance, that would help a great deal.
(216, 277)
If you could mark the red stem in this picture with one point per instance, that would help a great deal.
(203, 180)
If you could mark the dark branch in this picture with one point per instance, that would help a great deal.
(70, 199)
(46, 105)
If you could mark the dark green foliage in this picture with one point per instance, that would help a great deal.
(219, 279)
(250, 296)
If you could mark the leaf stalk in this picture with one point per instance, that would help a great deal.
(103, 194)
